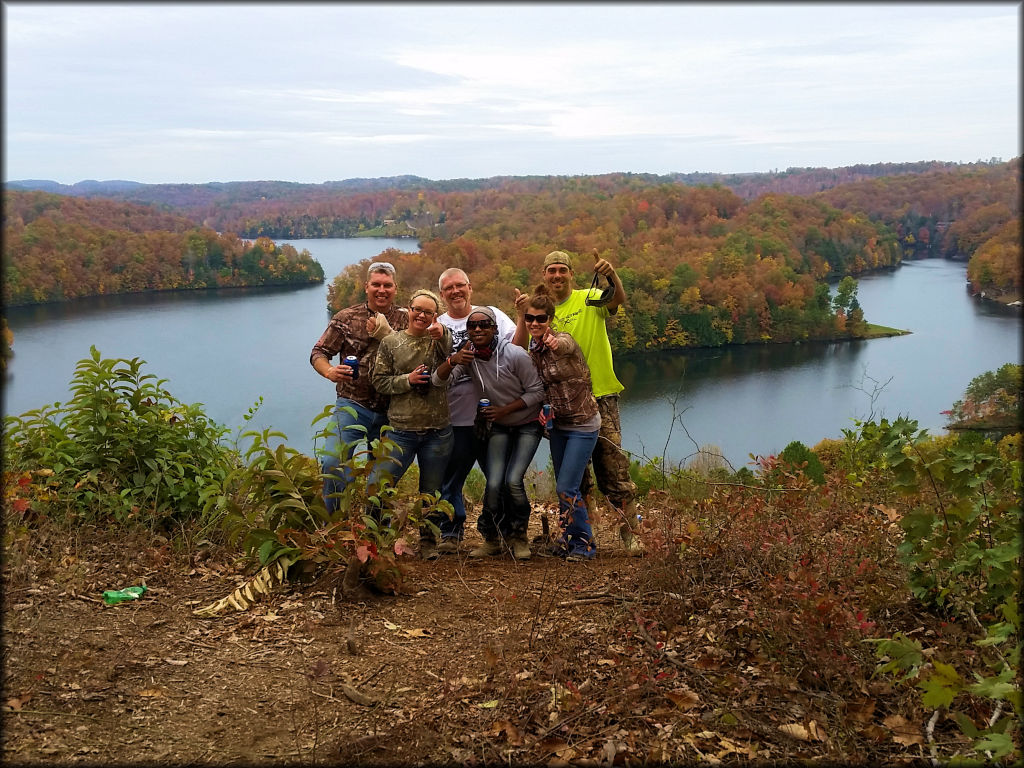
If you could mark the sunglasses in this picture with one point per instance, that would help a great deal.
(476, 325)
(535, 318)
(606, 294)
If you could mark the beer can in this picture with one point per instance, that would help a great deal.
(352, 362)
(546, 410)
(484, 402)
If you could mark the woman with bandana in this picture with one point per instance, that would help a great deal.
(576, 420)
(503, 374)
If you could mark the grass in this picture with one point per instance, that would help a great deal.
(880, 331)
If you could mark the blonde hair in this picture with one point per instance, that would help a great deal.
(429, 294)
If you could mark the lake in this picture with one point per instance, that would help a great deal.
(226, 348)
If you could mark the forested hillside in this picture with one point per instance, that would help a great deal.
(700, 266)
(282, 209)
(734, 259)
(57, 248)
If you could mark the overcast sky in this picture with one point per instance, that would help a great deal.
(159, 93)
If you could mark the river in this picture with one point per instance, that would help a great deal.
(226, 348)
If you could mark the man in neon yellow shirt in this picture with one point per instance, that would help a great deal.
(586, 323)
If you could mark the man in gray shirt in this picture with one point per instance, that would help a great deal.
(457, 293)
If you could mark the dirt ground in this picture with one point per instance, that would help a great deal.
(493, 661)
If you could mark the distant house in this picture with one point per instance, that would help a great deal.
(389, 221)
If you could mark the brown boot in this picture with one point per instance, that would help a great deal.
(520, 549)
(630, 529)
(593, 512)
(489, 548)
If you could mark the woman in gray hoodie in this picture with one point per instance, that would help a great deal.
(504, 374)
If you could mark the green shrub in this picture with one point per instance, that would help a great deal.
(800, 457)
(962, 543)
(122, 448)
(273, 504)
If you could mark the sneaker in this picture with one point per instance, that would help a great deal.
(520, 549)
(429, 550)
(448, 546)
(489, 548)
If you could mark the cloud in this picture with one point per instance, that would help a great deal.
(321, 90)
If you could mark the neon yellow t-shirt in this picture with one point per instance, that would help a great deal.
(587, 325)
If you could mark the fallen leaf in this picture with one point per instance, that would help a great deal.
(875, 732)
(389, 625)
(417, 632)
(177, 662)
(488, 704)
(861, 712)
(14, 704)
(402, 547)
(683, 699)
(509, 729)
(903, 731)
(270, 617)
(152, 693)
(551, 744)
(796, 731)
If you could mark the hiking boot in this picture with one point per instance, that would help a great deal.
(632, 543)
(630, 529)
(520, 549)
(429, 550)
(448, 546)
(547, 548)
(489, 548)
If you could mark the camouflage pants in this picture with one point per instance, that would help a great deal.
(611, 465)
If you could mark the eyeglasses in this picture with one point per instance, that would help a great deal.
(535, 318)
(455, 287)
(424, 312)
(476, 325)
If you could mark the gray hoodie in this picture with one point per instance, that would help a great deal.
(510, 373)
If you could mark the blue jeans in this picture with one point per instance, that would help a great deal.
(431, 449)
(570, 452)
(343, 439)
(466, 451)
(509, 453)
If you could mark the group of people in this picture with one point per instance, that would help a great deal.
(468, 385)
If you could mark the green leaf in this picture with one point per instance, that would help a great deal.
(966, 725)
(267, 549)
(938, 692)
(904, 653)
(992, 688)
(999, 744)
